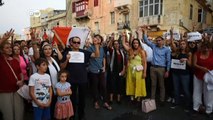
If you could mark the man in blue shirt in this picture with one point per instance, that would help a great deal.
(160, 65)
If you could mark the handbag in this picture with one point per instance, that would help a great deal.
(148, 105)
(23, 91)
(138, 68)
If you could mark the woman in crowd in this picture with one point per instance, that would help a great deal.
(181, 77)
(24, 63)
(97, 68)
(53, 68)
(136, 69)
(202, 62)
(117, 70)
(11, 104)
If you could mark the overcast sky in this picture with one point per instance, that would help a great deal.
(16, 13)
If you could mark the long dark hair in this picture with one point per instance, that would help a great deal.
(42, 51)
(139, 49)
(135, 39)
(187, 50)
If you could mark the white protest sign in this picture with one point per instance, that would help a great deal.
(193, 36)
(76, 57)
(176, 35)
(176, 64)
(81, 32)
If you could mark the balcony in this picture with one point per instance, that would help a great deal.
(82, 10)
(151, 20)
(122, 4)
(123, 25)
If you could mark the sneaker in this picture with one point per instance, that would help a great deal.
(131, 98)
(169, 99)
(173, 106)
(173, 100)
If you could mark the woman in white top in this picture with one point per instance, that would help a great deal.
(53, 68)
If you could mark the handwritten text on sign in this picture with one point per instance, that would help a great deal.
(176, 64)
(76, 57)
(193, 36)
(176, 35)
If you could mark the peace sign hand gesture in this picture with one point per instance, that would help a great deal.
(7, 35)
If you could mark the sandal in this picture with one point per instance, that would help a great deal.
(107, 106)
(96, 106)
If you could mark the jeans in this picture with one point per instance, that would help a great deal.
(182, 81)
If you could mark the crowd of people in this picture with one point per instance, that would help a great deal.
(111, 69)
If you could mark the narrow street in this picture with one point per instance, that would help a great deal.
(129, 111)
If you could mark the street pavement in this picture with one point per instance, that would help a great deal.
(130, 111)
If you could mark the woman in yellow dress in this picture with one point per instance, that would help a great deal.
(136, 69)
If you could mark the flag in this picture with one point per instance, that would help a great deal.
(45, 37)
(65, 33)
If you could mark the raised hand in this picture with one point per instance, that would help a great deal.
(55, 45)
(7, 35)
(171, 30)
(68, 56)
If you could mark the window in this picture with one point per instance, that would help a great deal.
(150, 7)
(191, 12)
(73, 7)
(112, 14)
(199, 15)
(97, 27)
(95, 3)
(126, 17)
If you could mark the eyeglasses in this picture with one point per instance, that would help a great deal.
(76, 42)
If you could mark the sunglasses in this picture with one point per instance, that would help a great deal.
(76, 42)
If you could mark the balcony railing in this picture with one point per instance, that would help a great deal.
(121, 3)
(151, 20)
(81, 7)
(123, 25)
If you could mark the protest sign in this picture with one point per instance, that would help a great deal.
(193, 36)
(176, 35)
(176, 64)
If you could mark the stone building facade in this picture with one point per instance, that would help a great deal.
(107, 16)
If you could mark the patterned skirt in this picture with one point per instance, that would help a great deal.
(63, 110)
